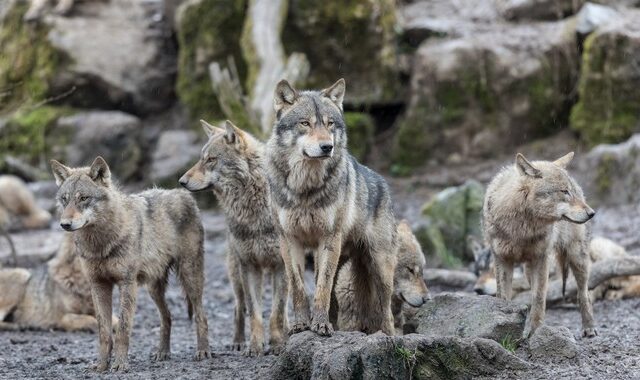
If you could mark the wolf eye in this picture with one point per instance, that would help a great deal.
(565, 192)
(211, 159)
(83, 198)
(331, 123)
(305, 123)
(411, 270)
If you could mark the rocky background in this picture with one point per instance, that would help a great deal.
(440, 94)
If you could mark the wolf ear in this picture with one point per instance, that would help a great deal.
(284, 97)
(60, 172)
(526, 168)
(233, 134)
(563, 161)
(335, 93)
(99, 171)
(474, 245)
(209, 129)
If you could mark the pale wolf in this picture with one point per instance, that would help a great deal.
(231, 165)
(409, 289)
(324, 201)
(533, 210)
(129, 240)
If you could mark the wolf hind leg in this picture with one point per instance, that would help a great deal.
(191, 276)
(579, 264)
(278, 320)
(294, 259)
(240, 307)
(252, 278)
(157, 292)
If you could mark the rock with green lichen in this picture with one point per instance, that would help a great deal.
(538, 9)
(207, 31)
(351, 39)
(360, 130)
(479, 95)
(609, 88)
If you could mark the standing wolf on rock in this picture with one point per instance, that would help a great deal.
(533, 210)
(129, 240)
(231, 164)
(324, 201)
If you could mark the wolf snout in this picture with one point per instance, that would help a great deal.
(183, 181)
(326, 147)
(591, 213)
(66, 226)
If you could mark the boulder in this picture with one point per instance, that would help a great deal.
(175, 152)
(609, 88)
(471, 316)
(592, 16)
(360, 131)
(353, 355)
(538, 9)
(553, 342)
(480, 95)
(114, 135)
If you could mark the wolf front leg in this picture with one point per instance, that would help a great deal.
(278, 320)
(579, 264)
(327, 265)
(128, 292)
(293, 256)
(540, 279)
(101, 293)
(504, 278)
(252, 284)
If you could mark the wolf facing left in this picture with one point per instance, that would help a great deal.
(325, 202)
(127, 240)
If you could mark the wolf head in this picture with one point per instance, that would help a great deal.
(83, 193)
(309, 124)
(551, 193)
(409, 283)
(224, 159)
(483, 268)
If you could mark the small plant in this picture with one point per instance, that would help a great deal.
(409, 358)
(509, 344)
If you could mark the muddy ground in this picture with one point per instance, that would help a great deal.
(614, 354)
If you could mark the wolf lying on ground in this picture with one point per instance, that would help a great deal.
(324, 201)
(231, 165)
(54, 296)
(129, 240)
(18, 208)
(409, 289)
(532, 211)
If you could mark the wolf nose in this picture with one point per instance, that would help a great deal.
(326, 148)
(183, 182)
(591, 213)
(66, 226)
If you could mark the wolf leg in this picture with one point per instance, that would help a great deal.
(504, 278)
(277, 322)
(252, 283)
(327, 265)
(128, 293)
(101, 294)
(157, 292)
(78, 322)
(540, 277)
(293, 256)
(236, 281)
(579, 264)
(381, 282)
(191, 275)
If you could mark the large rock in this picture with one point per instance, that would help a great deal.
(480, 95)
(592, 16)
(471, 316)
(353, 355)
(538, 9)
(175, 152)
(609, 88)
(553, 342)
(351, 39)
(114, 135)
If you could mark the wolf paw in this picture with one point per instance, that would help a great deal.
(99, 367)
(202, 354)
(322, 328)
(254, 349)
(236, 346)
(160, 355)
(298, 327)
(120, 365)
(589, 332)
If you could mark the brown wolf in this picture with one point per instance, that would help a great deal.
(409, 288)
(129, 240)
(532, 211)
(231, 165)
(324, 201)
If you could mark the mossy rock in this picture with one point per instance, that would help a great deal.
(207, 31)
(360, 131)
(609, 88)
(28, 62)
(352, 39)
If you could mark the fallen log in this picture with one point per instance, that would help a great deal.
(450, 278)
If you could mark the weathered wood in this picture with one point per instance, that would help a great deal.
(450, 278)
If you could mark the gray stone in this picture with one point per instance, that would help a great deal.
(553, 342)
(538, 9)
(175, 152)
(592, 16)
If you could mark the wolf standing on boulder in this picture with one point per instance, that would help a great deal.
(533, 210)
(324, 201)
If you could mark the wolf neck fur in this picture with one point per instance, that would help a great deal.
(302, 175)
(97, 239)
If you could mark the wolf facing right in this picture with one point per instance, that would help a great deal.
(533, 210)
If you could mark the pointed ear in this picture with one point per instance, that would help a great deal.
(563, 161)
(209, 129)
(284, 97)
(335, 93)
(474, 245)
(233, 134)
(99, 171)
(60, 172)
(525, 167)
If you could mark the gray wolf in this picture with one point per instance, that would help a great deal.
(409, 288)
(231, 165)
(325, 202)
(127, 240)
(534, 210)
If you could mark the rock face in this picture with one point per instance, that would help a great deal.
(553, 342)
(538, 9)
(112, 134)
(479, 95)
(176, 151)
(360, 131)
(609, 89)
(592, 16)
(471, 316)
(352, 355)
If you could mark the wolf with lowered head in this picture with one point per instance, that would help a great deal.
(325, 202)
(231, 165)
(533, 210)
(127, 240)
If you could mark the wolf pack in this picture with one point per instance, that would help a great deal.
(299, 197)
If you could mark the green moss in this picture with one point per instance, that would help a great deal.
(605, 171)
(360, 131)
(208, 31)
(27, 62)
(442, 362)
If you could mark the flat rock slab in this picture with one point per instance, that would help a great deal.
(32, 247)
